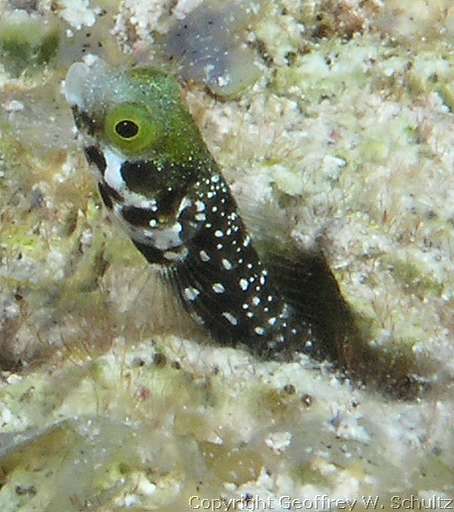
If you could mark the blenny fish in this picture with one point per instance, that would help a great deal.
(157, 177)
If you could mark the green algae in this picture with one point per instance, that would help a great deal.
(414, 279)
(309, 475)
(237, 465)
(145, 433)
(394, 371)
(27, 43)
(328, 72)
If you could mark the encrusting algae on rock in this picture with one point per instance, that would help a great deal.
(345, 134)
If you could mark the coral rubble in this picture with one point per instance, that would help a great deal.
(338, 114)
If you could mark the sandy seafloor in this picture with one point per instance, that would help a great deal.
(337, 112)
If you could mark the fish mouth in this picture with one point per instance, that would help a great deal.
(90, 84)
(86, 89)
(76, 84)
(91, 88)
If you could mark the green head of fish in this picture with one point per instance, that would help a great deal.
(138, 114)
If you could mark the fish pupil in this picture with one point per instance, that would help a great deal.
(127, 129)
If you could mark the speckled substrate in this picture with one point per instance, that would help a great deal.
(348, 130)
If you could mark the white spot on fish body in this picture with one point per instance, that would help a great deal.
(218, 288)
(226, 264)
(204, 256)
(200, 206)
(230, 318)
(244, 284)
(191, 293)
(198, 319)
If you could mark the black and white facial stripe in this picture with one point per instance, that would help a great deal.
(94, 156)
(159, 223)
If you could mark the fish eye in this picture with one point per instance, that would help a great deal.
(127, 129)
(130, 128)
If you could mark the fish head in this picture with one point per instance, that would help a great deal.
(138, 135)
(138, 113)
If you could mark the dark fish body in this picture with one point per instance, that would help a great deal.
(171, 198)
